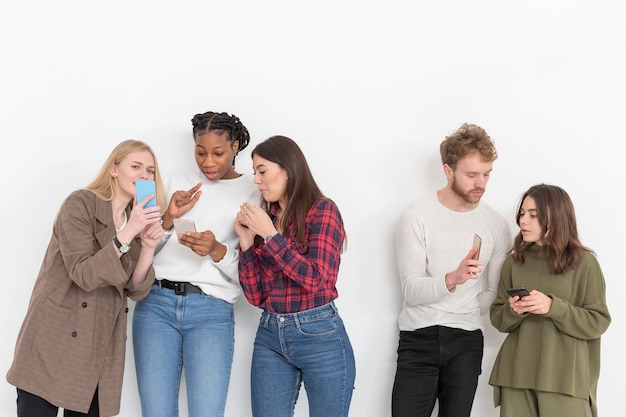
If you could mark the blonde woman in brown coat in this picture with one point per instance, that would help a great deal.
(71, 346)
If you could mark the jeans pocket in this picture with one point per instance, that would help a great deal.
(319, 327)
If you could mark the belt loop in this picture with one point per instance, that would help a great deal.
(265, 318)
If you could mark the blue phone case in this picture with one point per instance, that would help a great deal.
(143, 188)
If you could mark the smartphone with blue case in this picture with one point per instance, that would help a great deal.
(143, 188)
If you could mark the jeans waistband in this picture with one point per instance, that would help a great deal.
(324, 311)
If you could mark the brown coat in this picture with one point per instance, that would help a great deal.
(73, 338)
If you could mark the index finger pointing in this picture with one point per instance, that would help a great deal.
(195, 188)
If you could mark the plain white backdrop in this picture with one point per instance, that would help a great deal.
(367, 88)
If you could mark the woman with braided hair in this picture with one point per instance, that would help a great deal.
(187, 320)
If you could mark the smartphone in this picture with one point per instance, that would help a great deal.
(183, 226)
(521, 291)
(477, 244)
(143, 188)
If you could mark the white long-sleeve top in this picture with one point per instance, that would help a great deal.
(432, 240)
(215, 211)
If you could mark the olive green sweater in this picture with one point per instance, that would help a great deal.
(559, 351)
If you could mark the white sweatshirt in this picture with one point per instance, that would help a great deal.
(215, 211)
(432, 240)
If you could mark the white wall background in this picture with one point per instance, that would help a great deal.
(367, 88)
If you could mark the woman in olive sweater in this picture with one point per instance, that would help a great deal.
(549, 363)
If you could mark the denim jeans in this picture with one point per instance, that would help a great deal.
(310, 347)
(437, 362)
(194, 331)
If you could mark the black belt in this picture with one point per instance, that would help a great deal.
(181, 288)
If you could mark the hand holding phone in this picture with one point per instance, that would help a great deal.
(183, 226)
(521, 291)
(477, 244)
(144, 188)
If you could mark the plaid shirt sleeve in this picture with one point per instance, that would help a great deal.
(284, 276)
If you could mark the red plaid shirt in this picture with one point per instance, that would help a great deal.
(283, 276)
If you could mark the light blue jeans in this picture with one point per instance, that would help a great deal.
(194, 331)
(311, 347)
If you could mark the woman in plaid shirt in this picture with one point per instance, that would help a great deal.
(290, 251)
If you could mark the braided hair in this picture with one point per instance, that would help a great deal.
(221, 123)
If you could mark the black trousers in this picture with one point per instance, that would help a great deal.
(30, 405)
(437, 363)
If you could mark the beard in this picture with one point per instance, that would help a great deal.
(467, 196)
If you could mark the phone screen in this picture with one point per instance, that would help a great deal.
(143, 188)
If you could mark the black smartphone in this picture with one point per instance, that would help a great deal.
(521, 291)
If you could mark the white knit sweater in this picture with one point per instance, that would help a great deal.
(432, 240)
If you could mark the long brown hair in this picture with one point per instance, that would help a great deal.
(302, 190)
(559, 238)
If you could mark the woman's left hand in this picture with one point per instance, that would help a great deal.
(256, 219)
(151, 235)
(203, 244)
(535, 303)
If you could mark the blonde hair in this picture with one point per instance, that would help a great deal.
(103, 185)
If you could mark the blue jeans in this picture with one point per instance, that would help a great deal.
(311, 347)
(437, 363)
(194, 331)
